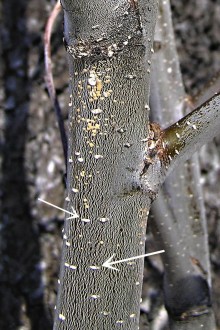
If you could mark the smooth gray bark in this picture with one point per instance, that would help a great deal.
(109, 54)
(179, 220)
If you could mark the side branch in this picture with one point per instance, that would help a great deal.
(187, 135)
(170, 147)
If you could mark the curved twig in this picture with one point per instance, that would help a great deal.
(49, 76)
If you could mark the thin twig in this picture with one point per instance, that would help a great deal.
(49, 76)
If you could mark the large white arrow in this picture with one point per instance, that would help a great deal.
(73, 214)
(108, 263)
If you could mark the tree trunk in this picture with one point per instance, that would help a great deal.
(179, 215)
(109, 45)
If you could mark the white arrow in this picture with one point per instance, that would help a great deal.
(108, 263)
(73, 214)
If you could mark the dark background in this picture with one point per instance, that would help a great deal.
(32, 164)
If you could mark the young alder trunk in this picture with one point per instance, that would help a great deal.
(109, 45)
(179, 215)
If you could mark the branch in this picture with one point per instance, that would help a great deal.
(167, 95)
(187, 135)
(49, 76)
(170, 147)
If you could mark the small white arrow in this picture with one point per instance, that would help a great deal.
(108, 263)
(73, 214)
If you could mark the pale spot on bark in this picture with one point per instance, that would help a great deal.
(96, 111)
(103, 220)
(98, 156)
(94, 267)
(85, 220)
(62, 317)
(95, 296)
(66, 264)
(105, 313)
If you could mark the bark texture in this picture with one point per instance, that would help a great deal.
(109, 45)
